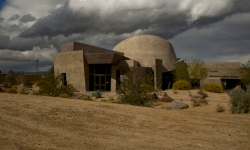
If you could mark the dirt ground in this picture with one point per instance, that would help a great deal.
(39, 122)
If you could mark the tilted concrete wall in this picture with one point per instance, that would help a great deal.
(76, 68)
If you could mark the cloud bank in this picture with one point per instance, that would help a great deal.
(213, 30)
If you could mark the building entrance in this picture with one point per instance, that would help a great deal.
(100, 77)
(100, 82)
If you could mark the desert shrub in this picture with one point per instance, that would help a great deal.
(51, 85)
(202, 93)
(12, 90)
(14, 78)
(97, 94)
(199, 102)
(213, 87)
(136, 88)
(181, 85)
(166, 99)
(9, 79)
(64, 95)
(220, 108)
(86, 97)
(240, 100)
(154, 96)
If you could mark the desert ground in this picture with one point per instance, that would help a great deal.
(40, 122)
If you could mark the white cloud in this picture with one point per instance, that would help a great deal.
(44, 54)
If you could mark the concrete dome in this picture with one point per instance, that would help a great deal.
(146, 48)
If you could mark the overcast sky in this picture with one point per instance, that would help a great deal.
(213, 30)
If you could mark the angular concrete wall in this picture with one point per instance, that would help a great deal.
(74, 65)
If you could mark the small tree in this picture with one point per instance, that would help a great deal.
(20, 78)
(181, 72)
(136, 89)
(196, 70)
(245, 71)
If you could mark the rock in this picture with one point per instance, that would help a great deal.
(178, 105)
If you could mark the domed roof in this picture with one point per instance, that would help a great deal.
(146, 48)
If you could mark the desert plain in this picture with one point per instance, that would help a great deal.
(42, 122)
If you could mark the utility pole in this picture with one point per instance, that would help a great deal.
(37, 66)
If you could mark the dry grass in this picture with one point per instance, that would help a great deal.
(38, 122)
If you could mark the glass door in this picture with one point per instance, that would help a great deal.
(100, 82)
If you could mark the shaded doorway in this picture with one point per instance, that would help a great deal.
(100, 77)
(167, 80)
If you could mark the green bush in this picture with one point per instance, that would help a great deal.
(240, 100)
(51, 85)
(136, 88)
(181, 85)
(213, 87)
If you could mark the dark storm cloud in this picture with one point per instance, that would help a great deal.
(15, 17)
(4, 39)
(27, 18)
(1, 19)
(66, 21)
(162, 23)
(240, 6)
(228, 38)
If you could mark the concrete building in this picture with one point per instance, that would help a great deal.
(91, 68)
(225, 73)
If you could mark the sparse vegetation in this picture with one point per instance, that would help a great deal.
(51, 85)
(245, 71)
(136, 88)
(202, 93)
(97, 94)
(86, 97)
(213, 87)
(181, 85)
(166, 99)
(154, 96)
(196, 70)
(199, 102)
(64, 95)
(12, 90)
(220, 108)
(240, 100)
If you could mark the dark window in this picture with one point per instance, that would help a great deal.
(64, 79)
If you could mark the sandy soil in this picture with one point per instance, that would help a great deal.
(38, 122)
